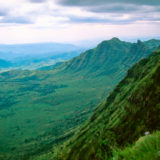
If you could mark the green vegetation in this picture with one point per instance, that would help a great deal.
(41, 109)
(132, 109)
(147, 147)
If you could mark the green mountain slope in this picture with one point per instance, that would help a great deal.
(39, 109)
(132, 109)
(99, 61)
(153, 43)
(99, 58)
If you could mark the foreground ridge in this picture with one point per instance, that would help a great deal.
(131, 109)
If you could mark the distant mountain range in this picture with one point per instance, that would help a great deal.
(20, 50)
(36, 55)
(43, 107)
(4, 63)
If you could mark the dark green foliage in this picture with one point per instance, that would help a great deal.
(147, 147)
(6, 102)
(132, 109)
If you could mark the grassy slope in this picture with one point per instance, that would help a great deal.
(130, 110)
(38, 108)
(146, 147)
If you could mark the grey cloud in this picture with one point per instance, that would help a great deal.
(114, 8)
(102, 2)
(150, 19)
(115, 20)
(157, 9)
(18, 20)
(74, 19)
(3, 12)
(137, 10)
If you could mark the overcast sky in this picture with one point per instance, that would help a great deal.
(71, 21)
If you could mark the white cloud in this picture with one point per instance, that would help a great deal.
(22, 21)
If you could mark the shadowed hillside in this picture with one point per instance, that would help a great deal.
(109, 57)
(130, 110)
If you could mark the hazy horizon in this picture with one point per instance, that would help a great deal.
(85, 43)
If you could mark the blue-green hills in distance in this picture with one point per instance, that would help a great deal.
(33, 56)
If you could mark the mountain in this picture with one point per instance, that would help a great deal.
(20, 50)
(42, 108)
(110, 58)
(131, 110)
(99, 58)
(153, 43)
(31, 56)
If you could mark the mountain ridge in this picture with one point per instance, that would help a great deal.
(124, 116)
(99, 60)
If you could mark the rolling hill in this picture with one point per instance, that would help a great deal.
(42, 108)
